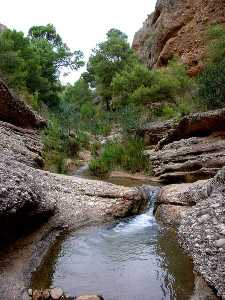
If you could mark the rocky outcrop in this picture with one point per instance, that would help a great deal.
(154, 132)
(38, 205)
(178, 28)
(15, 111)
(198, 125)
(192, 149)
(201, 224)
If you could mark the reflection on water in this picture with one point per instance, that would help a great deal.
(133, 259)
(83, 172)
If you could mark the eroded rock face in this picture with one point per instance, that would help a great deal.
(202, 230)
(198, 210)
(193, 149)
(153, 132)
(22, 200)
(177, 28)
(22, 145)
(38, 205)
(14, 111)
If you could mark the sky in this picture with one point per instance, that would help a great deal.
(81, 24)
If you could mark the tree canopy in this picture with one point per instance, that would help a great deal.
(34, 62)
(107, 59)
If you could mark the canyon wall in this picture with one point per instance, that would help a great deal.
(178, 28)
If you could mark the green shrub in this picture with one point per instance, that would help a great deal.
(61, 143)
(134, 159)
(212, 85)
(99, 168)
(127, 155)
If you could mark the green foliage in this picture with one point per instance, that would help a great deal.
(212, 80)
(142, 86)
(78, 93)
(61, 142)
(33, 64)
(216, 43)
(125, 83)
(107, 59)
(128, 155)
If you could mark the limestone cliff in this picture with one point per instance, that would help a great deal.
(177, 28)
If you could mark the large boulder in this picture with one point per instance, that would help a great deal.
(178, 28)
(22, 200)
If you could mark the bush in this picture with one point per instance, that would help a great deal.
(142, 86)
(212, 85)
(127, 155)
(99, 168)
(212, 80)
(61, 143)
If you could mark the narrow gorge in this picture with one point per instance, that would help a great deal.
(157, 231)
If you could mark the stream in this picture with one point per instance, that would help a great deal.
(131, 259)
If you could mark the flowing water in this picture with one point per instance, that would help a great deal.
(131, 259)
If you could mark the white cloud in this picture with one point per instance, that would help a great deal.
(83, 23)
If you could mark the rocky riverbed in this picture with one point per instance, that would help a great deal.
(37, 206)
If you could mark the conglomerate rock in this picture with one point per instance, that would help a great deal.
(178, 28)
(198, 211)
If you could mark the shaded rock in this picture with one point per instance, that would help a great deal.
(22, 200)
(153, 132)
(170, 214)
(202, 290)
(173, 202)
(21, 145)
(177, 28)
(13, 110)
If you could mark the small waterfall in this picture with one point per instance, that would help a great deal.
(151, 194)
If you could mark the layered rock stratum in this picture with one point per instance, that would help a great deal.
(35, 205)
(198, 211)
(178, 28)
(188, 150)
